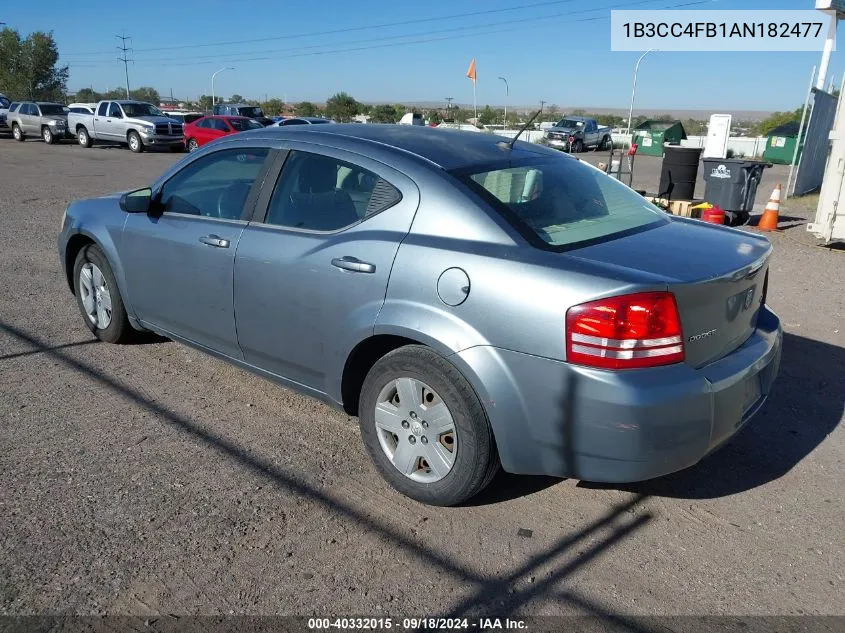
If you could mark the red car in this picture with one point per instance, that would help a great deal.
(208, 128)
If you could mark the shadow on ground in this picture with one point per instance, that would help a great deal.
(490, 596)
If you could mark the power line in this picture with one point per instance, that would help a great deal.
(461, 34)
(125, 59)
(348, 29)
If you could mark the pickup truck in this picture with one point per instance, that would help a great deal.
(584, 133)
(134, 123)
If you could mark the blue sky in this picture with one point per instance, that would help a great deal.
(558, 52)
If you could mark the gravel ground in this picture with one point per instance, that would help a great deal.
(153, 479)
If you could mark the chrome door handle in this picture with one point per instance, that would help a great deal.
(214, 240)
(353, 264)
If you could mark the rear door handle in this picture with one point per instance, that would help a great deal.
(214, 240)
(353, 264)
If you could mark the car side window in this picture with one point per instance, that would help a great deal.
(321, 193)
(203, 124)
(101, 110)
(214, 186)
(219, 125)
(114, 111)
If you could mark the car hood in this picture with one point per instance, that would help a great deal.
(56, 117)
(154, 119)
(564, 130)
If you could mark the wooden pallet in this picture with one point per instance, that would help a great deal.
(677, 207)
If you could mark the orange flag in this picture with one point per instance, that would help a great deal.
(471, 71)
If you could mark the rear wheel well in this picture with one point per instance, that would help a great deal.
(361, 360)
(74, 245)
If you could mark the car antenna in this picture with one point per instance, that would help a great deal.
(510, 144)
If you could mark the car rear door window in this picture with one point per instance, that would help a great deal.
(214, 186)
(322, 193)
(560, 202)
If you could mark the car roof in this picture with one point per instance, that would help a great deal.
(448, 149)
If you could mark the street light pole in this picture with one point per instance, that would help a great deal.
(507, 95)
(634, 88)
(212, 83)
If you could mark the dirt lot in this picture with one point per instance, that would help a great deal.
(153, 479)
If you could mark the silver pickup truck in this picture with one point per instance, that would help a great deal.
(133, 123)
(576, 133)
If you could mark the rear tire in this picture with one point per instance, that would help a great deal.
(135, 144)
(441, 391)
(193, 145)
(47, 135)
(17, 133)
(83, 137)
(98, 297)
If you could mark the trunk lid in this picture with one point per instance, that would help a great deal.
(716, 274)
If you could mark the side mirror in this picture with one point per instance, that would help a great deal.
(138, 201)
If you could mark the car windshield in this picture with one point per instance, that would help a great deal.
(569, 123)
(560, 202)
(242, 125)
(250, 112)
(52, 109)
(140, 109)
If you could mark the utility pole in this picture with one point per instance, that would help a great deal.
(125, 59)
(449, 101)
(542, 103)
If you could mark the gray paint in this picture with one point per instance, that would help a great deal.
(274, 303)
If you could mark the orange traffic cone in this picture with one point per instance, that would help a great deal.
(769, 221)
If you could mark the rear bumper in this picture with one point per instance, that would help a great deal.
(552, 418)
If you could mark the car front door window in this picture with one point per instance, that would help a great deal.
(214, 186)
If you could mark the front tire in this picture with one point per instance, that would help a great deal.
(83, 137)
(98, 297)
(47, 135)
(135, 144)
(425, 429)
(17, 133)
(578, 146)
(602, 146)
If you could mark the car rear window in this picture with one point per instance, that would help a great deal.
(560, 202)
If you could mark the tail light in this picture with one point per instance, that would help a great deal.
(631, 331)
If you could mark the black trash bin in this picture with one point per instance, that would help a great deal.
(679, 172)
(731, 183)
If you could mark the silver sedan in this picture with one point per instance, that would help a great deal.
(476, 303)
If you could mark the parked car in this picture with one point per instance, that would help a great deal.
(473, 300)
(4, 113)
(185, 117)
(39, 118)
(576, 133)
(133, 123)
(82, 108)
(209, 128)
(302, 120)
(241, 109)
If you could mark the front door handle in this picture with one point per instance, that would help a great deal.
(214, 240)
(353, 264)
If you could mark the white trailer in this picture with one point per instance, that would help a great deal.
(829, 224)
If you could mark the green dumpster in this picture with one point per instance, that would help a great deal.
(780, 146)
(651, 135)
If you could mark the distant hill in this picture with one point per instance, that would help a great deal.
(697, 114)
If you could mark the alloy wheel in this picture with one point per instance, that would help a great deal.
(96, 298)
